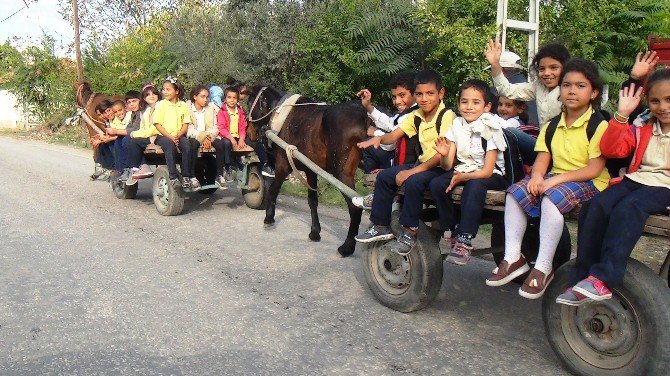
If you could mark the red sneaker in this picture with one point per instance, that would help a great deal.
(593, 288)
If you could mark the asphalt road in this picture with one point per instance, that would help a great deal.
(90, 284)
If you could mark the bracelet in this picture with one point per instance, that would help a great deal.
(620, 118)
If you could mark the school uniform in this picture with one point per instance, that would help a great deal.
(130, 122)
(382, 157)
(233, 124)
(615, 219)
(570, 151)
(415, 185)
(172, 116)
(203, 125)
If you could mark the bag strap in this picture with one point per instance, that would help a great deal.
(596, 118)
(438, 121)
(551, 129)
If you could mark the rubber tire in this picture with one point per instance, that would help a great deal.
(255, 199)
(425, 272)
(648, 297)
(175, 197)
(123, 191)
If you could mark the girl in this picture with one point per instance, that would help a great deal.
(514, 112)
(548, 65)
(615, 219)
(471, 153)
(141, 138)
(577, 174)
(203, 128)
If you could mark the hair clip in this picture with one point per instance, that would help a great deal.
(171, 79)
(147, 86)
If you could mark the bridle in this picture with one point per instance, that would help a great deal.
(258, 96)
(88, 103)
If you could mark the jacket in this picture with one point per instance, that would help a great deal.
(211, 127)
(622, 140)
(223, 120)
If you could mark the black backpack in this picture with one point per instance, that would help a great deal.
(512, 156)
(613, 165)
(413, 147)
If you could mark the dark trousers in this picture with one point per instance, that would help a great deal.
(121, 152)
(385, 190)
(472, 201)
(104, 154)
(612, 224)
(136, 148)
(195, 147)
(376, 158)
(221, 156)
(229, 158)
(526, 144)
(170, 151)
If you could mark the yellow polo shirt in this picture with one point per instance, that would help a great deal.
(172, 116)
(571, 149)
(427, 130)
(234, 122)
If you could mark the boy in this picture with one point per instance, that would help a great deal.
(102, 144)
(127, 119)
(428, 93)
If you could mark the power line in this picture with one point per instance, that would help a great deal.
(13, 14)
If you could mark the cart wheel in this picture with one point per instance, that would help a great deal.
(405, 283)
(123, 191)
(254, 196)
(169, 200)
(625, 335)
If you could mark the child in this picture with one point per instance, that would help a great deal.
(472, 154)
(548, 64)
(428, 93)
(577, 174)
(118, 128)
(233, 133)
(102, 143)
(143, 136)
(514, 112)
(203, 127)
(615, 218)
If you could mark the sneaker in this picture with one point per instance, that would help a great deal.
(195, 185)
(593, 288)
(175, 183)
(363, 202)
(375, 233)
(572, 298)
(143, 172)
(114, 176)
(447, 244)
(220, 181)
(460, 254)
(505, 272)
(125, 175)
(98, 171)
(228, 175)
(535, 284)
(404, 244)
(268, 171)
(186, 185)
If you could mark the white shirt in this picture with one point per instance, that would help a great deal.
(548, 103)
(386, 124)
(476, 149)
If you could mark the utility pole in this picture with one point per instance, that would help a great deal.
(77, 44)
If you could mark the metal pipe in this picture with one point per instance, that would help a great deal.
(313, 166)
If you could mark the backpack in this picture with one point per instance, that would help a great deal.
(613, 165)
(409, 149)
(512, 156)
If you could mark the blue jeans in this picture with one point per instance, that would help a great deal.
(376, 158)
(104, 154)
(121, 152)
(610, 227)
(526, 145)
(385, 190)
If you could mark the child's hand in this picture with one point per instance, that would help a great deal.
(546, 184)
(371, 131)
(241, 144)
(374, 141)
(110, 131)
(533, 185)
(442, 146)
(366, 99)
(175, 140)
(644, 65)
(401, 177)
(234, 142)
(456, 180)
(629, 99)
(493, 51)
(206, 143)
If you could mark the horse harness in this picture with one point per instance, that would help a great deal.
(88, 118)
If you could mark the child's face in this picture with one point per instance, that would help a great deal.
(659, 101)
(402, 98)
(109, 113)
(151, 98)
(243, 93)
(577, 91)
(119, 111)
(231, 99)
(169, 92)
(472, 104)
(549, 71)
(202, 98)
(428, 97)
(508, 109)
(133, 104)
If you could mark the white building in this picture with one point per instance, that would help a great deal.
(12, 116)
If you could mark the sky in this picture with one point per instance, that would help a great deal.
(29, 24)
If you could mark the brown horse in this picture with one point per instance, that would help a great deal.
(327, 135)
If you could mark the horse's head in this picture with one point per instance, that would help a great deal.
(263, 101)
(84, 92)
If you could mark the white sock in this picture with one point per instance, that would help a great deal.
(551, 229)
(515, 226)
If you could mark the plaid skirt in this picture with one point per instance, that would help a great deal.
(565, 195)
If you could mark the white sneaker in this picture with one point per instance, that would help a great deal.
(363, 202)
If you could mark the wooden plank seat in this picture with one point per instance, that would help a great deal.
(156, 149)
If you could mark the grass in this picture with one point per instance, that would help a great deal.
(328, 194)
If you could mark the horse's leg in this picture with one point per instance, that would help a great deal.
(347, 176)
(281, 172)
(313, 200)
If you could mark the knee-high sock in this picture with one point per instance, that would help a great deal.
(515, 226)
(551, 229)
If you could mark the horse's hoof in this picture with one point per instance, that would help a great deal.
(314, 236)
(268, 225)
(346, 250)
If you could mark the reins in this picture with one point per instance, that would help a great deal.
(258, 96)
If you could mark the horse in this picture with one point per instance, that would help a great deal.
(327, 135)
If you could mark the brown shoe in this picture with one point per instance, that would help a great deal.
(505, 272)
(534, 286)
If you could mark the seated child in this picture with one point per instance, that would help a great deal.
(472, 154)
(102, 143)
(203, 128)
(578, 172)
(118, 127)
(233, 134)
(216, 96)
(615, 218)
(514, 112)
(142, 137)
(415, 177)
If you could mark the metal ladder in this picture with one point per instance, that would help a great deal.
(531, 27)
